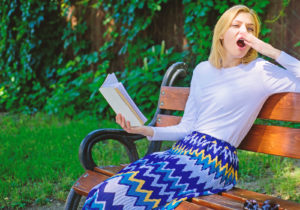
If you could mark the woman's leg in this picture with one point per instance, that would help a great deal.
(135, 187)
(194, 166)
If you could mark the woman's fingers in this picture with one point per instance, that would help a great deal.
(249, 44)
(123, 122)
(144, 130)
(120, 119)
(249, 39)
(260, 46)
(128, 124)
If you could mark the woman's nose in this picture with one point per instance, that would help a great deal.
(243, 28)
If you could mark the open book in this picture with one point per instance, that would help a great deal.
(119, 100)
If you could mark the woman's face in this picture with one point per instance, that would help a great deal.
(232, 40)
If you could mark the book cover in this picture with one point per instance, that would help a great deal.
(120, 101)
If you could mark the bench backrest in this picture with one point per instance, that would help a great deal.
(269, 139)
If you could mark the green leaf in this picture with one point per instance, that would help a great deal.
(297, 44)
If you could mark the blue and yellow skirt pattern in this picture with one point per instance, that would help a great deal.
(197, 165)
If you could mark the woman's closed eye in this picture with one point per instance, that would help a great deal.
(250, 29)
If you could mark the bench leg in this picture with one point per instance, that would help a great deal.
(72, 200)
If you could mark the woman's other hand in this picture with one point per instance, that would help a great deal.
(260, 46)
(143, 130)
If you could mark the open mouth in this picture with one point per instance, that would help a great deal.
(241, 43)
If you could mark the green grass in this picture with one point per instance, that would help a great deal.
(273, 175)
(39, 160)
(39, 157)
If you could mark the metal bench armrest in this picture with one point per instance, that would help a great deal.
(85, 150)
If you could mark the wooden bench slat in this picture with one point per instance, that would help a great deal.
(173, 98)
(282, 106)
(87, 181)
(218, 202)
(261, 138)
(273, 140)
(110, 170)
(243, 195)
(91, 178)
(185, 205)
(167, 120)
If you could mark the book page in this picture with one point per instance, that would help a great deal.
(110, 80)
(131, 102)
(116, 95)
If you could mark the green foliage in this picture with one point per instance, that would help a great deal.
(197, 30)
(47, 64)
(75, 88)
(145, 89)
(29, 39)
(131, 17)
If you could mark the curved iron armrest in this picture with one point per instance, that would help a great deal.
(127, 139)
(174, 72)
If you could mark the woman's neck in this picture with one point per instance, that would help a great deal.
(231, 62)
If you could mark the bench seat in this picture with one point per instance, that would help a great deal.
(233, 199)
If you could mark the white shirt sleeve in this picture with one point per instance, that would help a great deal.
(177, 132)
(277, 79)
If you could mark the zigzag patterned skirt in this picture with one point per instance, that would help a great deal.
(197, 165)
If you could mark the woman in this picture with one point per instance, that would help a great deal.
(226, 94)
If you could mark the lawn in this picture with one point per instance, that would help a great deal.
(39, 161)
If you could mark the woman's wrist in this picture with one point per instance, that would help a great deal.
(147, 131)
(269, 51)
(143, 130)
(275, 53)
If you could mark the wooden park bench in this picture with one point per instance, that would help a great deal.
(274, 140)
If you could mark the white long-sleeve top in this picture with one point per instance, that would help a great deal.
(224, 103)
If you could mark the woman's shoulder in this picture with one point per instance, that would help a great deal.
(204, 73)
(258, 64)
(264, 68)
(203, 67)
(203, 64)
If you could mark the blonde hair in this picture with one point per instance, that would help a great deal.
(217, 52)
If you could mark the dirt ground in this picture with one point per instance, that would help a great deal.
(54, 205)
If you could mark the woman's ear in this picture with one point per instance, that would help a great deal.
(221, 40)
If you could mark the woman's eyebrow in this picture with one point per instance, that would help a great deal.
(250, 24)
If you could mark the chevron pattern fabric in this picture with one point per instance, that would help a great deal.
(197, 165)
